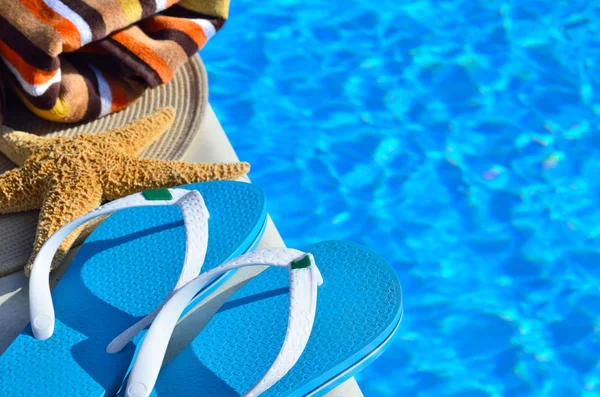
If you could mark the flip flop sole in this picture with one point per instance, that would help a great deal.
(359, 308)
(122, 272)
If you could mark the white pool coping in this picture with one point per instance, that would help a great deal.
(211, 145)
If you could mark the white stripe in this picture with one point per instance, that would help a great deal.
(75, 18)
(161, 5)
(104, 91)
(207, 27)
(33, 89)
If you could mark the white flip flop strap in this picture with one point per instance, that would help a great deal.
(195, 219)
(303, 306)
(303, 293)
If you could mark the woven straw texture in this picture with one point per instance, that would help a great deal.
(187, 93)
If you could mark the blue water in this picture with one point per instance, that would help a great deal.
(461, 141)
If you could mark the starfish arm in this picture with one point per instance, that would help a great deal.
(66, 199)
(136, 136)
(18, 146)
(17, 192)
(136, 175)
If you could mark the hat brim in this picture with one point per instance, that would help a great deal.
(187, 92)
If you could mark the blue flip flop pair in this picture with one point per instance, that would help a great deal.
(127, 269)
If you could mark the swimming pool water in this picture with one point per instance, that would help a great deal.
(460, 140)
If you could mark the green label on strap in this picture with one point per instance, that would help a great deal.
(302, 263)
(157, 194)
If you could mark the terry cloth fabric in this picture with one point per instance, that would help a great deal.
(78, 60)
(2, 97)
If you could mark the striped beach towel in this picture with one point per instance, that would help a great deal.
(78, 60)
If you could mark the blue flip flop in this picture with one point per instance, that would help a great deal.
(270, 343)
(125, 270)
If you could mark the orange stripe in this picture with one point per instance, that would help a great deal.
(29, 73)
(63, 26)
(190, 28)
(119, 95)
(145, 53)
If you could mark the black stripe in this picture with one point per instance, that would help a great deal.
(178, 11)
(94, 105)
(46, 101)
(181, 12)
(132, 61)
(2, 93)
(90, 15)
(186, 42)
(148, 8)
(105, 62)
(25, 48)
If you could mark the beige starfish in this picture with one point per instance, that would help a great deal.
(67, 177)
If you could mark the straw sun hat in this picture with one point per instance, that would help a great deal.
(187, 92)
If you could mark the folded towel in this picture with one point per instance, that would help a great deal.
(78, 60)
